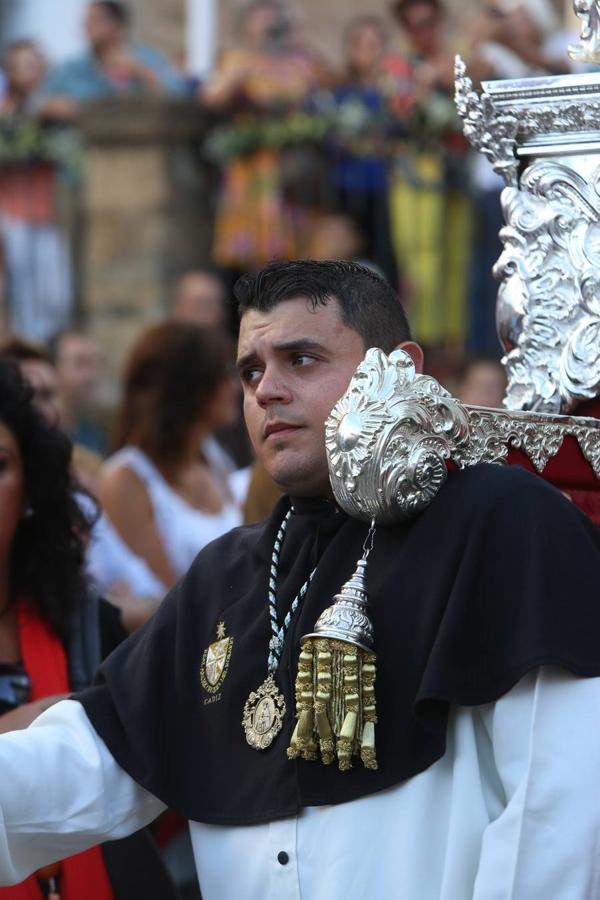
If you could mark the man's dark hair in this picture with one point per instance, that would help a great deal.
(368, 304)
(22, 350)
(118, 12)
(54, 344)
(401, 7)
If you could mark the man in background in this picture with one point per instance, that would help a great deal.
(76, 356)
(112, 65)
(199, 297)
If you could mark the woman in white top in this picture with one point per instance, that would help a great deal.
(159, 491)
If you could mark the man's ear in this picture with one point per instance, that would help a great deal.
(415, 351)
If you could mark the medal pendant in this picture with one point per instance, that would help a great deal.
(263, 714)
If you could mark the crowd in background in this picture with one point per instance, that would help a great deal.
(363, 160)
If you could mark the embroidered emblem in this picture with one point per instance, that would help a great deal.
(215, 661)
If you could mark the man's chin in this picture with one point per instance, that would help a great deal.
(298, 484)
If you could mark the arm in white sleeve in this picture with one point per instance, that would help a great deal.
(61, 791)
(545, 845)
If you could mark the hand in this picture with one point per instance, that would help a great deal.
(23, 716)
(120, 61)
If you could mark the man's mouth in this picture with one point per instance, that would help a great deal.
(279, 429)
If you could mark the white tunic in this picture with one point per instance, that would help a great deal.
(511, 812)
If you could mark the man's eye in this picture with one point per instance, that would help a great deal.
(251, 376)
(302, 359)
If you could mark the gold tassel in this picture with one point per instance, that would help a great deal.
(367, 746)
(303, 744)
(337, 713)
(335, 685)
(322, 699)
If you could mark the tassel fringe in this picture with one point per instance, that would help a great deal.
(335, 704)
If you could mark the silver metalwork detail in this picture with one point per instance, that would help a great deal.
(588, 48)
(405, 427)
(347, 619)
(490, 132)
(548, 311)
(559, 119)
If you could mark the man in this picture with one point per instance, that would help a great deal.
(113, 66)
(488, 758)
(76, 358)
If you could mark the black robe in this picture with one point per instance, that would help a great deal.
(497, 577)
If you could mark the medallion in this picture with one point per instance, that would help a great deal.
(263, 714)
(215, 661)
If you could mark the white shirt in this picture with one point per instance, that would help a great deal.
(511, 812)
(183, 529)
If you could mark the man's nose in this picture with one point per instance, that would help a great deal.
(272, 388)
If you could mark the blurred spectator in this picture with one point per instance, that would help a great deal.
(54, 631)
(359, 165)
(336, 236)
(77, 360)
(114, 571)
(24, 70)
(113, 65)
(37, 368)
(269, 189)
(37, 276)
(430, 203)
(199, 297)
(159, 490)
(515, 39)
(482, 382)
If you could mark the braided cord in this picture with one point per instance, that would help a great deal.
(278, 632)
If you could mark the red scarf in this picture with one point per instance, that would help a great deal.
(81, 877)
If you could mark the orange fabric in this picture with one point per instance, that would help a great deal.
(84, 876)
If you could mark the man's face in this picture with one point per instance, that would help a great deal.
(77, 367)
(199, 299)
(295, 364)
(423, 28)
(100, 28)
(25, 69)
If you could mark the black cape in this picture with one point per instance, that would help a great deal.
(497, 577)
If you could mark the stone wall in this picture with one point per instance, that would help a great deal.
(146, 214)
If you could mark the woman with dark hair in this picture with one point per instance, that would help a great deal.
(160, 491)
(53, 630)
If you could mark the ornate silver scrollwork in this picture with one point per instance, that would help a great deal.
(389, 437)
(588, 48)
(490, 132)
(548, 310)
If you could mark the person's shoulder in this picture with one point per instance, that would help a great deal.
(497, 480)
(73, 67)
(493, 489)
(121, 480)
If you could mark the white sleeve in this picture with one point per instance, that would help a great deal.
(61, 791)
(545, 845)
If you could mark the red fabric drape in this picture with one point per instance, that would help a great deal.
(84, 876)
